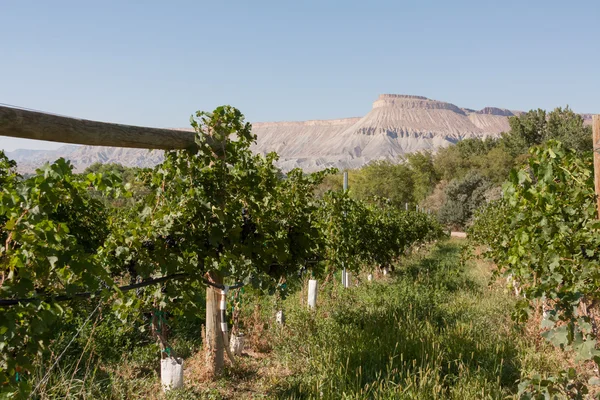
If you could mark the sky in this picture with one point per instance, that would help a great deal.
(153, 63)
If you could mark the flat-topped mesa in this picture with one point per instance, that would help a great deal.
(316, 122)
(496, 111)
(400, 96)
(414, 102)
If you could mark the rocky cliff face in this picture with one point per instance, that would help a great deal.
(396, 125)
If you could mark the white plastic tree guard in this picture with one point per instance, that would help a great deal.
(171, 373)
(236, 344)
(280, 317)
(312, 293)
(348, 279)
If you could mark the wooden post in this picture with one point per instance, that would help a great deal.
(596, 139)
(214, 346)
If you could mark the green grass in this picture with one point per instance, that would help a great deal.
(436, 330)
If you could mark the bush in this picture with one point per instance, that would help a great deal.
(463, 198)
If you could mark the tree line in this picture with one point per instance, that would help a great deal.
(457, 180)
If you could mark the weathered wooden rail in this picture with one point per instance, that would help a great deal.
(26, 124)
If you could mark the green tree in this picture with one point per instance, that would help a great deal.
(495, 165)
(463, 197)
(384, 179)
(128, 175)
(425, 176)
(525, 131)
(568, 128)
(451, 164)
(99, 167)
(333, 182)
(536, 127)
(473, 147)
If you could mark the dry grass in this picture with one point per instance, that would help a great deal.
(255, 373)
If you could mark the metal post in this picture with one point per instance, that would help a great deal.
(596, 144)
(345, 181)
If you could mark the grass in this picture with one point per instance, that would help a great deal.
(436, 329)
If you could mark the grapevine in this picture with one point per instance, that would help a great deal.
(545, 235)
(215, 212)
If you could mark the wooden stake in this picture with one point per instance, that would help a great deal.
(214, 346)
(596, 139)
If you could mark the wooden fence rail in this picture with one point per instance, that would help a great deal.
(26, 124)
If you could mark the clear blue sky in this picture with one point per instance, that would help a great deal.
(155, 62)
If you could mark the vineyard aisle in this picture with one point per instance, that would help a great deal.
(437, 328)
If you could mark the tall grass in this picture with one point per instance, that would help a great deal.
(434, 331)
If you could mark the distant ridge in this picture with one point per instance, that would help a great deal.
(396, 125)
